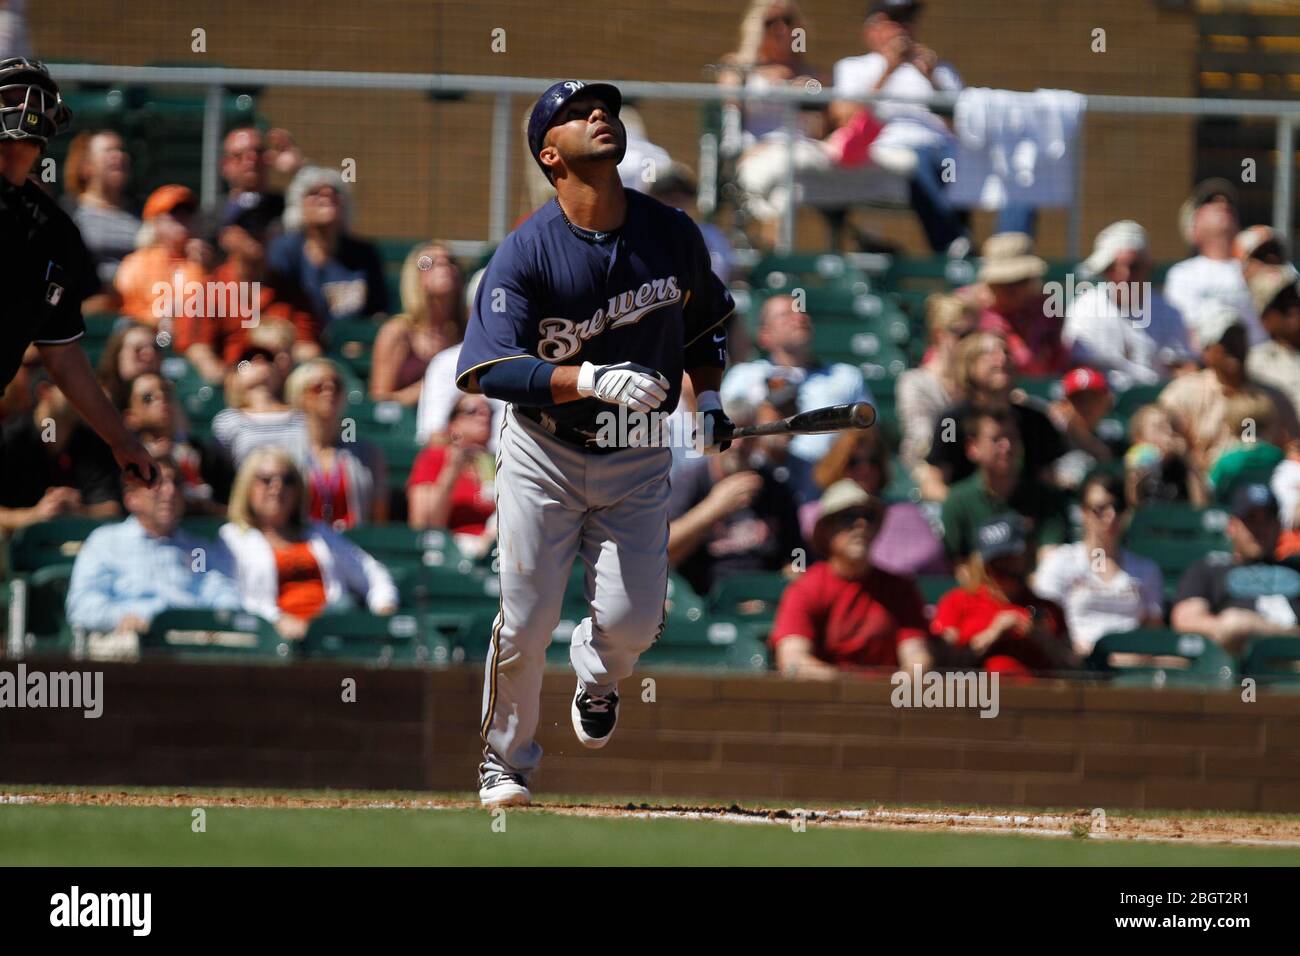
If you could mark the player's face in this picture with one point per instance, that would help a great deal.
(585, 130)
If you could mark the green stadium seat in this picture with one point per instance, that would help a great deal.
(398, 544)
(351, 341)
(1175, 536)
(1273, 660)
(750, 595)
(707, 644)
(203, 526)
(1203, 663)
(359, 635)
(447, 589)
(45, 622)
(49, 542)
(935, 586)
(216, 635)
(1131, 399)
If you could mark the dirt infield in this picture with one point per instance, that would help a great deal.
(1257, 830)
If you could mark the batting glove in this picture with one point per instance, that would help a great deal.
(635, 386)
(713, 428)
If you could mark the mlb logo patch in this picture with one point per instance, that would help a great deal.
(54, 294)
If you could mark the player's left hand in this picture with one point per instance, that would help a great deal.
(713, 427)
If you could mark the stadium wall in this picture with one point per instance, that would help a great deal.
(422, 167)
(727, 737)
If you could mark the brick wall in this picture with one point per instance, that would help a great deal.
(422, 167)
(729, 738)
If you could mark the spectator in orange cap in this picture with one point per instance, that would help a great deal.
(167, 253)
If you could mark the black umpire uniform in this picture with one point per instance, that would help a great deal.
(45, 269)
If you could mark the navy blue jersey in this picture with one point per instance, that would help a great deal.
(644, 295)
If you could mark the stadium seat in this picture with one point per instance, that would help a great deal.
(446, 589)
(44, 601)
(1169, 658)
(56, 541)
(935, 586)
(351, 341)
(358, 635)
(748, 595)
(210, 635)
(1131, 399)
(1273, 660)
(399, 545)
(708, 644)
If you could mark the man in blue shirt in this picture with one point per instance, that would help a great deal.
(126, 573)
(786, 335)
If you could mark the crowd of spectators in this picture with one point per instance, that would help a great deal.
(1020, 496)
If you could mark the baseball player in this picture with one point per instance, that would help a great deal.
(603, 298)
(45, 268)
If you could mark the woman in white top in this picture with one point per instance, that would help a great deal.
(1103, 588)
(290, 568)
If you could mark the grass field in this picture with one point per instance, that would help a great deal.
(125, 835)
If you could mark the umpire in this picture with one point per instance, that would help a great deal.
(45, 270)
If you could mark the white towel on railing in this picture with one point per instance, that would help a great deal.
(1015, 147)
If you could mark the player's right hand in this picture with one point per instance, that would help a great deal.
(635, 386)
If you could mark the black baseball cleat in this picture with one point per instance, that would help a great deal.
(594, 717)
(499, 789)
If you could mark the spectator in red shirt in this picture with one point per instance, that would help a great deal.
(844, 613)
(1009, 294)
(995, 621)
(451, 483)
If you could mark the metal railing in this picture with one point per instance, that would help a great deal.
(504, 89)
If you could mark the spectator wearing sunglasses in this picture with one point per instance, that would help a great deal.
(290, 569)
(1103, 587)
(845, 613)
(346, 479)
(203, 469)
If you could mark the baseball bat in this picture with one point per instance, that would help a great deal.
(832, 418)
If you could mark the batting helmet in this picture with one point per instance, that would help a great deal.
(553, 100)
(30, 104)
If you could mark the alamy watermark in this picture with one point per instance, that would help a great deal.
(1132, 299)
(75, 690)
(210, 300)
(947, 690)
